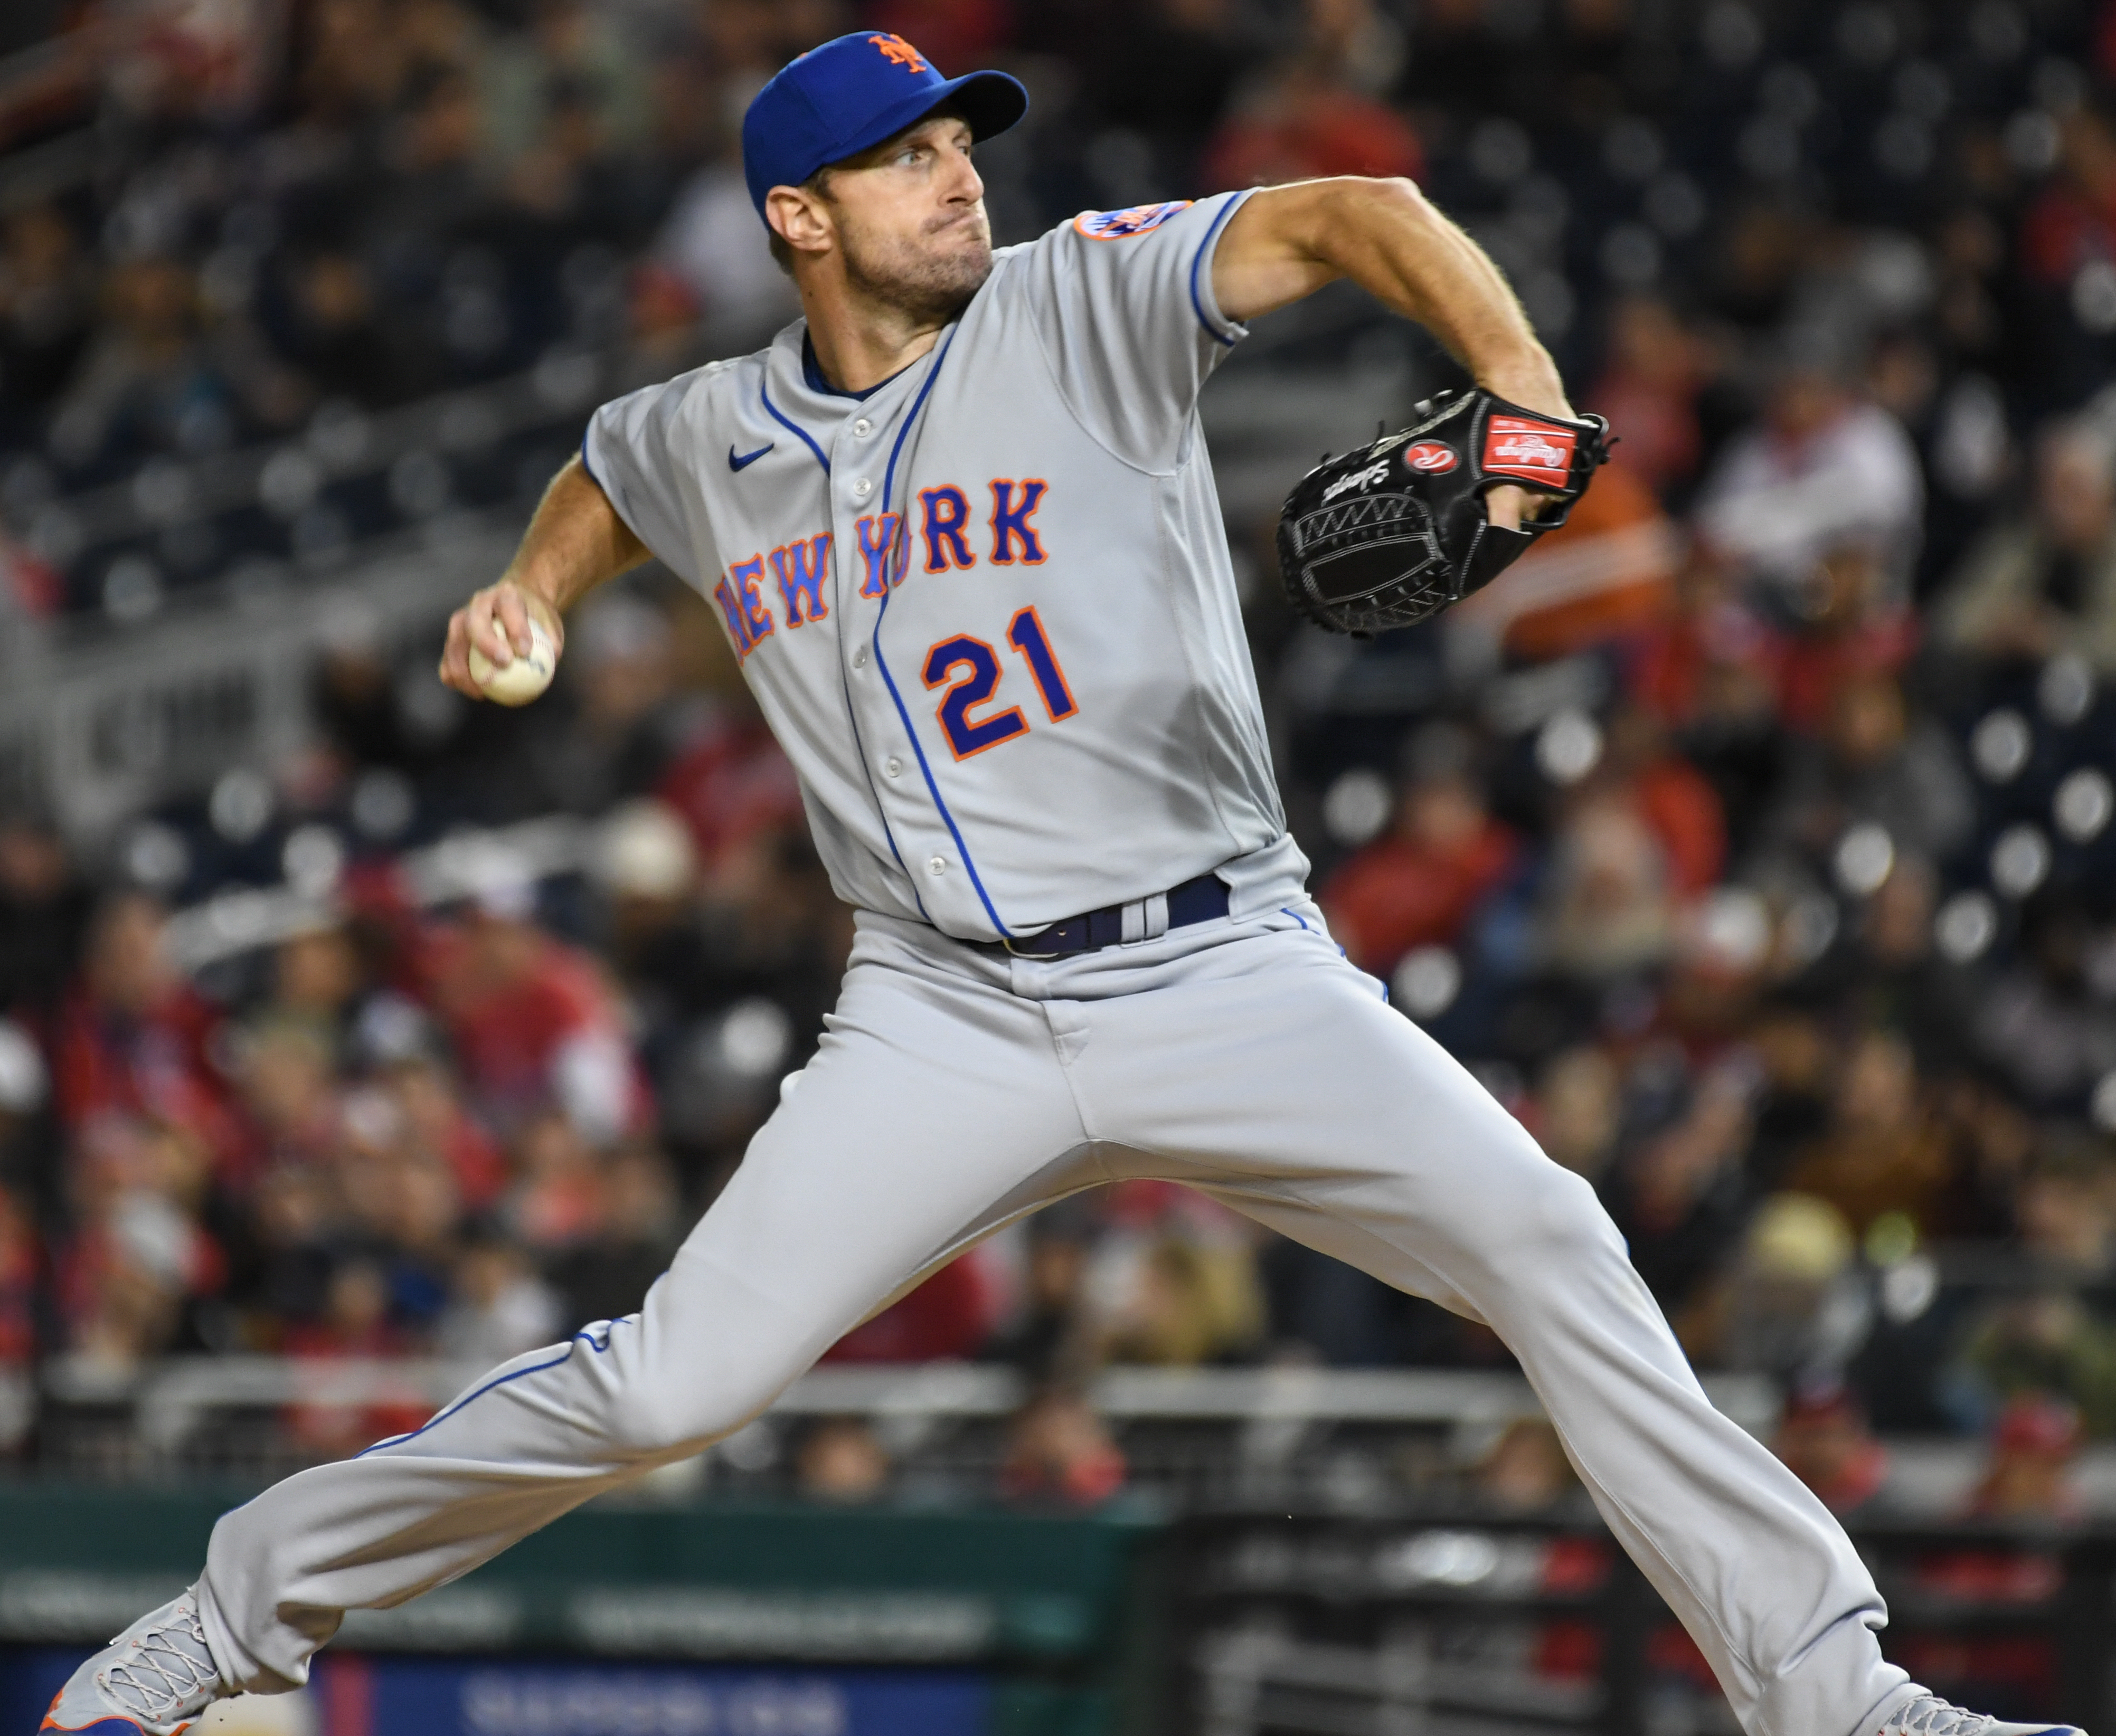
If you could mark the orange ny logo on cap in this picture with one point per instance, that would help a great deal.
(895, 48)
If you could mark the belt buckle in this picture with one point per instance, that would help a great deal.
(1019, 949)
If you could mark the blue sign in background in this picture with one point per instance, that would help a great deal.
(359, 1696)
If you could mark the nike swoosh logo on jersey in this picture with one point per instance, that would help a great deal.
(747, 458)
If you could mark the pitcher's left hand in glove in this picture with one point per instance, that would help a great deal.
(1396, 530)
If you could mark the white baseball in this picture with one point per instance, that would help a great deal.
(520, 681)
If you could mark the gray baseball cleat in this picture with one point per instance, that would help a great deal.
(152, 1680)
(1930, 1715)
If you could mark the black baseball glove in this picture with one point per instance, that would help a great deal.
(1396, 531)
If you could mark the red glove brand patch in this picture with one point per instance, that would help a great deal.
(1117, 226)
(1534, 451)
(1430, 454)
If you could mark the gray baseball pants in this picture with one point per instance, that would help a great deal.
(955, 1091)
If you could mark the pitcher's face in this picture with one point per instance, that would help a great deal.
(910, 220)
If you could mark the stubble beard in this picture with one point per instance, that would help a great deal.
(926, 283)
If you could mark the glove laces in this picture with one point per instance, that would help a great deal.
(1929, 1716)
(168, 1671)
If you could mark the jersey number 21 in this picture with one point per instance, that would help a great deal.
(969, 669)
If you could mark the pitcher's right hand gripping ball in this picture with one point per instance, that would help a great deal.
(1396, 531)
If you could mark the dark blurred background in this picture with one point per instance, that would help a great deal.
(1752, 841)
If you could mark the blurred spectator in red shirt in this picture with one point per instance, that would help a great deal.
(1302, 127)
(1670, 796)
(2072, 223)
(427, 1097)
(2029, 1474)
(1418, 884)
(1823, 1439)
(355, 1320)
(1655, 368)
(949, 1316)
(1851, 628)
(640, 1224)
(534, 1022)
(731, 784)
(1311, 117)
(1057, 1448)
(356, 1324)
(134, 1037)
(1712, 665)
(557, 1199)
(19, 1269)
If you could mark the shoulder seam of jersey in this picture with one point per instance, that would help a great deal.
(1065, 398)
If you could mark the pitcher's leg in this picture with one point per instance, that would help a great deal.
(1286, 1084)
(932, 1110)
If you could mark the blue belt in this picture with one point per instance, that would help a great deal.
(1194, 900)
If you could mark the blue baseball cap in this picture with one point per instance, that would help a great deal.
(854, 92)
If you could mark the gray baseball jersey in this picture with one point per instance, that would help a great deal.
(987, 608)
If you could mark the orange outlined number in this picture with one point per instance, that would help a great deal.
(979, 667)
(969, 668)
(1025, 634)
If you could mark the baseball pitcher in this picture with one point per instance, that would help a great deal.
(959, 524)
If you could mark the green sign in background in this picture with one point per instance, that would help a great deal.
(1058, 1608)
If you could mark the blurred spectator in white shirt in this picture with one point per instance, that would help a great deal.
(1821, 467)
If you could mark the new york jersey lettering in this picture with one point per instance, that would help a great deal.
(876, 536)
(748, 579)
(738, 627)
(1010, 528)
(946, 529)
(801, 567)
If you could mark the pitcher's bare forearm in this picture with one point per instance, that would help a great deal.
(1386, 236)
(575, 542)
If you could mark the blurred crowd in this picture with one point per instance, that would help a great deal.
(1756, 853)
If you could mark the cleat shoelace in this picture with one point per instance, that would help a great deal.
(1934, 1717)
(166, 1670)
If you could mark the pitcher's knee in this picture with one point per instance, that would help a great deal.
(674, 1417)
(1562, 1228)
